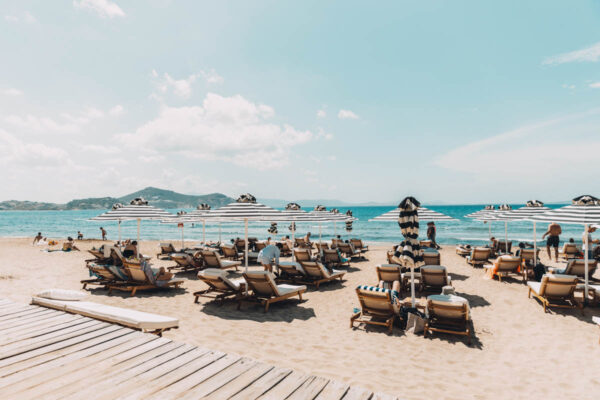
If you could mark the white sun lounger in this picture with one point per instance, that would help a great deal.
(143, 321)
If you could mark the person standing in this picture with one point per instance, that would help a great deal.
(103, 233)
(431, 233)
(588, 242)
(553, 233)
(269, 256)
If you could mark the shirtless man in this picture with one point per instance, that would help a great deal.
(37, 238)
(553, 233)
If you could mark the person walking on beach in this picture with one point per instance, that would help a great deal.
(553, 233)
(431, 232)
(103, 233)
(37, 238)
(269, 256)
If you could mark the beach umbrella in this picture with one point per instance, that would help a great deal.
(493, 215)
(138, 209)
(245, 209)
(487, 210)
(583, 210)
(412, 255)
(532, 208)
(425, 214)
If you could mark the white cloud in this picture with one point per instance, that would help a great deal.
(12, 92)
(590, 54)
(26, 18)
(116, 110)
(347, 114)
(230, 129)
(182, 87)
(94, 148)
(533, 153)
(565, 86)
(15, 151)
(331, 158)
(324, 135)
(212, 77)
(64, 123)
(321, 114)
(104, 8)
(595, 85)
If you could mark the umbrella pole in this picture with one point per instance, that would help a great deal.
(412, 285)
(219, 232)
(320, 245)
(204, 231)
(490, 229)
(119, 232)
(334, 228)
(534, 246)
(139, 222)
(246, 243)
(182, 240)
(506, 236)
(293, 241)
(585, 256)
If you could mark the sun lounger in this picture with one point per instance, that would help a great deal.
(285, 249)
(214, 260)
(359, 245)
(555, 291)
(266, 291)
(387, 274)
(258, 246)
(317, 273)
(302, 243)
(569, 250)
(504, 247)
(348, 250)
(187, 262)
(219, 283)
(301, 254)
(576, 266)
(390, 258)
(104, 275)
(504, 266)
(378, 307)
(321, 246)
(448, 314)
(232, 253)
(425, 243)
(432, 257)
(335, 242)
(527, 255)
(166, 249)
(291, 271)
(479, 256)
(332, 259)
(139, 320)
(463, 250)
(139, 279)
(434, 278)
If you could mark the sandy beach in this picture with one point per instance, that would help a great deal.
(517, 351)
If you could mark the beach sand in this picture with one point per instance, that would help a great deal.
(517, 352)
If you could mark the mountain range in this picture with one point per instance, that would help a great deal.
(156, 197)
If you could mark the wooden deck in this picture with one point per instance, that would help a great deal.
(51, 354)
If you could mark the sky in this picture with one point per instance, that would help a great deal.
(455, 102)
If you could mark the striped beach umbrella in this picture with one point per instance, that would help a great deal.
(532, 208)
(487, 210)
(332, 215)
(412, 255)
(138, 209)
(583, 210)
(494, 215)
(425, 214)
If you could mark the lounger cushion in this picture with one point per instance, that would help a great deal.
(535, 286)
(62, 294)
(596, 320)
(228, 263)
(296, 265)
(122, 316)
(219, 273)
(284, 289)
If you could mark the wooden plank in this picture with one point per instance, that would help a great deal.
(115, 345)
(76, 376)
(285, 387)
(97, 389)
(13, 308)
(50, 338)
(383, 396)
(263, 384)
(30, 318)
(38, 333)
(23, 313)
(309, 389)
(38, 324)
(160, 383)
(141, 380)
(196, 378)
(333, 391)
(241, 382)
(219, 380)
(357, 393)
(58, 348)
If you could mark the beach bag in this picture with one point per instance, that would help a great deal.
(415, 322)
(538, 271)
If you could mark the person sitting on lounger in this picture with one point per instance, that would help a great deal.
(269, 256)
(37, 238)
(131, 250)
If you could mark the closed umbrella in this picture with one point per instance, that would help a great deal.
(138, 209)
(412, 255)
(583, 210)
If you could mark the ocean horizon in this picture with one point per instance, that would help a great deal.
(60, 224)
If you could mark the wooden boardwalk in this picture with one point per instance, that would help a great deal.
(50, 354)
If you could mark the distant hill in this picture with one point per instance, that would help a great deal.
(156, 197)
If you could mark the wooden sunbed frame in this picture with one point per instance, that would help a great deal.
(263, 298)
(316, 275)
(567, 301)
(217, 285)
(437, 323)
(387, 313)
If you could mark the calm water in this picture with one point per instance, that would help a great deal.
(67, 223)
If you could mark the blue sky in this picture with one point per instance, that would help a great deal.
(460, 101)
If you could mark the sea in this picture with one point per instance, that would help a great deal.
(60, 224)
